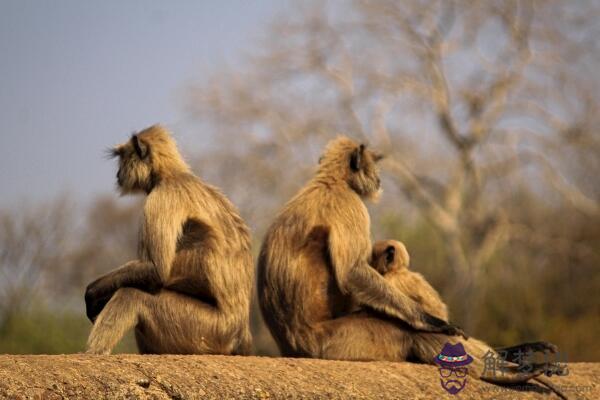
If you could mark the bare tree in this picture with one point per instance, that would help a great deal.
(33, 242)
(472, 100)
(47, 255)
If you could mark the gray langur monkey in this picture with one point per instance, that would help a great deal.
(189, 291)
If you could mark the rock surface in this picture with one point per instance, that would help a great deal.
(223, 377)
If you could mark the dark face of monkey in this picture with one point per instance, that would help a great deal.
(135, 171)
(354, 163)
(389, 255)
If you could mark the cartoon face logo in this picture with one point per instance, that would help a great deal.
(453, 362)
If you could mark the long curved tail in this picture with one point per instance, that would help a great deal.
(551, 386)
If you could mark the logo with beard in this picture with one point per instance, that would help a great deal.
(453, 361)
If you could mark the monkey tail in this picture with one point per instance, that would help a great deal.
(551, 386)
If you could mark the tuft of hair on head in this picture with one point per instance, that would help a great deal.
(110, 152)
(353, 162)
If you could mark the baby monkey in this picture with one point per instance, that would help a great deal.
(391, 259)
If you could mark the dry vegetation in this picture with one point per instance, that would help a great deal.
(487, 112)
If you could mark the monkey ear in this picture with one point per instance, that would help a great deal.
(141, 148)
(356, 158)
(390, 253)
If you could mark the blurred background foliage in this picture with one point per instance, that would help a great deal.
(487, 113)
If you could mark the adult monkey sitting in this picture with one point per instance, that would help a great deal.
(189, 290)
(314, 264)
(313, 268)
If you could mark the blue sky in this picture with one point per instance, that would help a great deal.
(78, 76)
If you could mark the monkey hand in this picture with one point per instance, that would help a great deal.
(95, 301)
(541, 347)
(440, 326)
(454, 330)
(94, 306)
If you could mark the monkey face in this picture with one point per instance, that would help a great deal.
(389, 255)
(135, 171)
(383, 261)
(364, 174)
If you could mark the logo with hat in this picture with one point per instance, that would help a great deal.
(453, 363)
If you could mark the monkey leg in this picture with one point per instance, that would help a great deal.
(515, 353)
(361, 336)
(173, 323)
(122, 312)
(426, 346)
(137, 274)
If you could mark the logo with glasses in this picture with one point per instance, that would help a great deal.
(453, 362)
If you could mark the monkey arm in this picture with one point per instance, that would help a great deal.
(355, 276)
(163, 223)
(369, 288)
(138, 274)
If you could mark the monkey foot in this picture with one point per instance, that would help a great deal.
(97, 352)
(557, 369)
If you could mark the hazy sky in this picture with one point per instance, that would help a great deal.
(78, 76)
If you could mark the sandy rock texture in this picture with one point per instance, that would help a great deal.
(224, 377)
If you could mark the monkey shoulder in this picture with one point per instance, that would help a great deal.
(168, 195)
(191, 196)
(200, 210)
(329, 200)
(318, 212)
(344, 211)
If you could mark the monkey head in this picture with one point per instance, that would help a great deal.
(389, 255)
(354, 163)
(146, 158)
